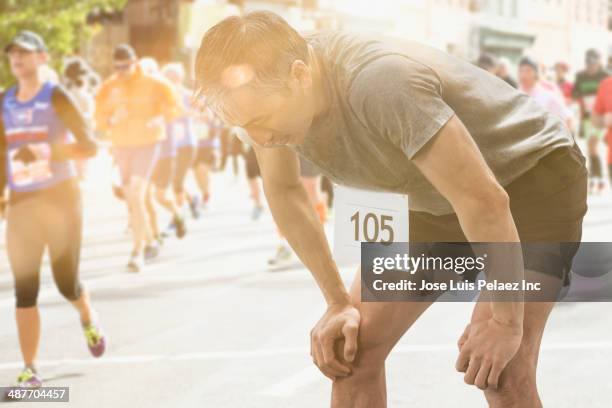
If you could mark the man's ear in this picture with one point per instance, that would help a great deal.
(301, 72)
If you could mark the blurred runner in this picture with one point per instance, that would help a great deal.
(602, 116)
(133, 108)
(161, 182)
(565, 85)
(231, 147)
(253, 175)
(75, 78)
(44, 206)
(163, 173)
(206, 157)
(503, 71)
(551, 100)
(186, 141)
(586, 85)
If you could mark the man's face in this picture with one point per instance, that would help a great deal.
(124, 67)
(593, 66)
(527, 76)
(275, 117)
(23, 62)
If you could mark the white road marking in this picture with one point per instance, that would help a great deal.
(213, 355)
(248, 354)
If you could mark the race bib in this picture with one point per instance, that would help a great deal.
(366, 216)
(30, 164)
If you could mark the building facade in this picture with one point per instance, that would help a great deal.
(548, 30)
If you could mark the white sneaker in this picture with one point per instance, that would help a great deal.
(136, 263)
(256, 213)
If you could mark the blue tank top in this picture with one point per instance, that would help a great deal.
(182, 128)
(30, 128)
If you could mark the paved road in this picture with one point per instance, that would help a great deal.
(208, 326)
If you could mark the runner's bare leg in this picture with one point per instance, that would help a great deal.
(517, 387)
(366, 386)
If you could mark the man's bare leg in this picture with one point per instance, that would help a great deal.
(517, 387)
(382, 325)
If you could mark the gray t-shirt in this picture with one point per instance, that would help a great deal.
(388, 98)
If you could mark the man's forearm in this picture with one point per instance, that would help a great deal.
(494, 226)
(300, 224)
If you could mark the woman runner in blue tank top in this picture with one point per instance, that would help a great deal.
(41, 132)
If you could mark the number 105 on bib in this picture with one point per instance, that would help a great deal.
(366, 216)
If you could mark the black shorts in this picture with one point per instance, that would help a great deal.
(162, 174)
(595, 170)
(252, 167)
(548, 204)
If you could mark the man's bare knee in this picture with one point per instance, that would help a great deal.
(372, 352)
(517, 386)
(514, 393)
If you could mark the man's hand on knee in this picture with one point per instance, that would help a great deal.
(339, 323)
(486, 347)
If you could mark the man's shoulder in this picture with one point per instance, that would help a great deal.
(110, 82)
(156, 81)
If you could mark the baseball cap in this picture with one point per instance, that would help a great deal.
(529, 62)
(124, 52)
(28, 40)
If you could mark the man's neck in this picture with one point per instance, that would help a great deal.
(321, 102)
(28, 87)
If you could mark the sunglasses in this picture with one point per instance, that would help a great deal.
(122, 67)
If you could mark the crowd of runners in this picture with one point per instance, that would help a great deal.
(583, 102)
(159, 133)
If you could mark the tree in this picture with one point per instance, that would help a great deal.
(61, 23)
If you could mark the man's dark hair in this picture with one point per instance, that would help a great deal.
(261, 39)
(124, 52)
(592, 57)
(486, 61)
(531, 63)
